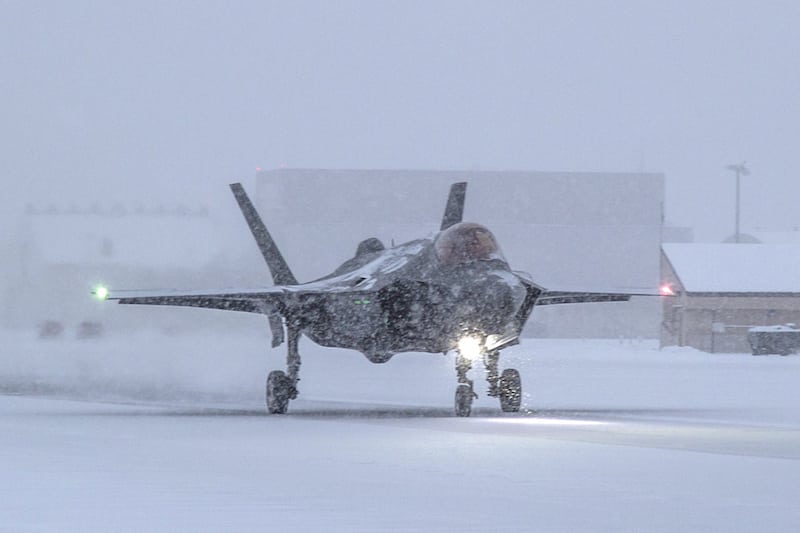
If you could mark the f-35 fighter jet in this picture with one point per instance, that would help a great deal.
(453, 292)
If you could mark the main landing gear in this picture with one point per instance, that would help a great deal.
(282, 386)
(506, 386)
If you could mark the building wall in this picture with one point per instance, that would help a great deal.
(693, 323)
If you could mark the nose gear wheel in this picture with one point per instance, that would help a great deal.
(464, 397)
(510, 388)
(279, 391)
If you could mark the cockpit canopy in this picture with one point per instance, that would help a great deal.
(466, 242)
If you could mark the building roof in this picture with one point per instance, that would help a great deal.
(736, 268)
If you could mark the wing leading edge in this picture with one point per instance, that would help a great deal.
(552, 297)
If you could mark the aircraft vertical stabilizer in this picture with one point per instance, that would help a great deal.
(454, 210)
(281, 274)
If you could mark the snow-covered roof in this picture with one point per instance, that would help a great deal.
(736, 268)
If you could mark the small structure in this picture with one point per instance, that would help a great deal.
(781, 340)
(724, 290)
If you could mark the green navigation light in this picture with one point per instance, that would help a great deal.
(101, 292)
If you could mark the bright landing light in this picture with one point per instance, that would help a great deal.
(100, 292)
(470, 347)
(667, 290)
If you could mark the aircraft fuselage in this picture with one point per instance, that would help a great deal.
(403, 299)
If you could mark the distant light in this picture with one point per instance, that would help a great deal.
(100, 292)
(258, 169)
(667, 290)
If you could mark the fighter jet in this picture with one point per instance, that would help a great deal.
(452, 292)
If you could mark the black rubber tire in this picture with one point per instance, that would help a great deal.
(278, 392)
(510, 386)
(464, 397)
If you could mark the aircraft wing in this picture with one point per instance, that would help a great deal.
(264, 301)
(551, 297)
(270, 302)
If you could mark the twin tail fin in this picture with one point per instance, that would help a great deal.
(281, 273)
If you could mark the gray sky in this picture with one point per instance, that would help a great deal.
(147, 101)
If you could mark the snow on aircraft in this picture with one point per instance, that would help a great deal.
(452, 292)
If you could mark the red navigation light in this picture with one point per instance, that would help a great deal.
(666, 290)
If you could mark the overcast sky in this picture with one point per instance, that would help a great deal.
(155, 101)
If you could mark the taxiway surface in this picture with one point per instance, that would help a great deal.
(615, 437)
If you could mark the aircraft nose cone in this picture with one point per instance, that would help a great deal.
(489, 306)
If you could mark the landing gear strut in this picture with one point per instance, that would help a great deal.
(490, 360)
(282, 386)
(464, 391)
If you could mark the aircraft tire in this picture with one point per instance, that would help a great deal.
(510, 386)
(464, 397)
(278, 392)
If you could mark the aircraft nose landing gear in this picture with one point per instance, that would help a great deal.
(506, 386)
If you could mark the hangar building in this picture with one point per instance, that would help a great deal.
(569, 230)
(722, 290)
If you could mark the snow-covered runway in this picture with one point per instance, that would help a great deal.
(616, 437)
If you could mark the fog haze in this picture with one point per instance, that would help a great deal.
(169, 101)
(121, 125)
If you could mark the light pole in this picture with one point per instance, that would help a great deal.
(740, 170)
